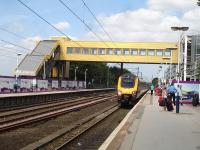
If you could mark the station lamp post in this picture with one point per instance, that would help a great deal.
(167, 58)
(86, 77)
(161, 70)
(108, 77)
(18, 55)
(75, 73)
(176, 28)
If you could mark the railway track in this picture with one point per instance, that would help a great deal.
(62, 137)
(48, 102)
(8, 116)
(30, 115)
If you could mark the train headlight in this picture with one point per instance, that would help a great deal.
(119, 93)
(133, 93)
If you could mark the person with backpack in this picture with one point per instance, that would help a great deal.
(171, 91)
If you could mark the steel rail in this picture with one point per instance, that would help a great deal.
(48, 115)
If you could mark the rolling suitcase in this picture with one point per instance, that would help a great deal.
(169, 104)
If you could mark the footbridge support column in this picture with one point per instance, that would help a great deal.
(121, 72)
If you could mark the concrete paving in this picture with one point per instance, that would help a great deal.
(163, 130)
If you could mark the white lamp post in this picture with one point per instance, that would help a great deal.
(75, 73)
(176, 28)
(18, 54)
(86, 77)
(167, 58)
(108, 78)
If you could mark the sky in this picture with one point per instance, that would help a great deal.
(124, 20)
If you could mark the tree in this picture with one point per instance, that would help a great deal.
(198, 2)
(155, 82)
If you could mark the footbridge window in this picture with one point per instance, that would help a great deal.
(110, 51)
(134, 52)
(69, 50)
(85, 50)
(151, 52)
(102, 51)
(77, 50)
(118, 51)
(142, 52)
(94, 51)
(159, 52)
(126, 51)
(167, 52)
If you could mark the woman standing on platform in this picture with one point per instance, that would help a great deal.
(164, 95)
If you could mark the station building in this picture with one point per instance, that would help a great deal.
(189, 59)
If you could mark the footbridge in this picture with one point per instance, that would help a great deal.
(52, 57)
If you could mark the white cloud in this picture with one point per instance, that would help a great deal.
(137, 25)
(62, 25)
(145, 25)
(169, 5)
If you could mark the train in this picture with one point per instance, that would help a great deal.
(127, 89)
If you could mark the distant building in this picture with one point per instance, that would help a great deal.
(189, 53)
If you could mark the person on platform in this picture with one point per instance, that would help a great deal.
(164, 96)
(172, 90)
(179, 94)
(152, 89)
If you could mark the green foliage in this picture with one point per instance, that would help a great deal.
(155, 82)
(97, 73)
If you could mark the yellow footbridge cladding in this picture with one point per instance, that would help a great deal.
(126, 52)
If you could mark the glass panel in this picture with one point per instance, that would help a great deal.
(167, 53)
(109, 51)
(142, 52)
(102, 51)
(94, 51)
(134, 52)
(198, 50)
(126, 51)
(77, 50)
(159, 52)
(85, 51)
(151, 52)
(118, 51)
(69, 50)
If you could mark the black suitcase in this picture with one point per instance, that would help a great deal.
(169, 104)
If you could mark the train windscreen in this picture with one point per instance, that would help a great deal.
(127, 81)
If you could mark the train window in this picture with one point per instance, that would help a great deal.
(94, 51)
(69, 50)
(142, 52)
(109, 51)
(151, 52)
(118, 51)
(167, 52)
(85, 51)
(134, 52)
(159, 52)
(126, 51)
(102, 51)
(127, 82)
(77, 50)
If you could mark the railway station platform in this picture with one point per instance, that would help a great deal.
(50, 92)
(148, 127)
(14, 100)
